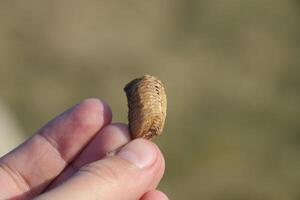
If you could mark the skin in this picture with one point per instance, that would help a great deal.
(80, 155)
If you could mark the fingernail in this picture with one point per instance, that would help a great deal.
(139, 152)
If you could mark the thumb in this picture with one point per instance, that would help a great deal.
(134, 170)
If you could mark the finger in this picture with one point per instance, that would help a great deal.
(109, 139)
(27, 170)
(154, 195)
(136, 169)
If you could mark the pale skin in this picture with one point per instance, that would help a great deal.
(81, 155)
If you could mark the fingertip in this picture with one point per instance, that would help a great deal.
(112, 137)
(98, 107)
(106, 110)
(140, 152)
(155, 195)
(158, 165)
(121, 128)
(91, 113)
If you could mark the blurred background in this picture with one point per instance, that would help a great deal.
(230, 68)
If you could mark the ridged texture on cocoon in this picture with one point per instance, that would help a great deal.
(147, 103)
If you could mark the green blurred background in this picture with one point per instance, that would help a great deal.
(230, 68)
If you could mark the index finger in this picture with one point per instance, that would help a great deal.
(28, 169)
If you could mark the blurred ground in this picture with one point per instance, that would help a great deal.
(231, 70)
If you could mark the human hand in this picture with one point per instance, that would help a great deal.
(81, 155)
